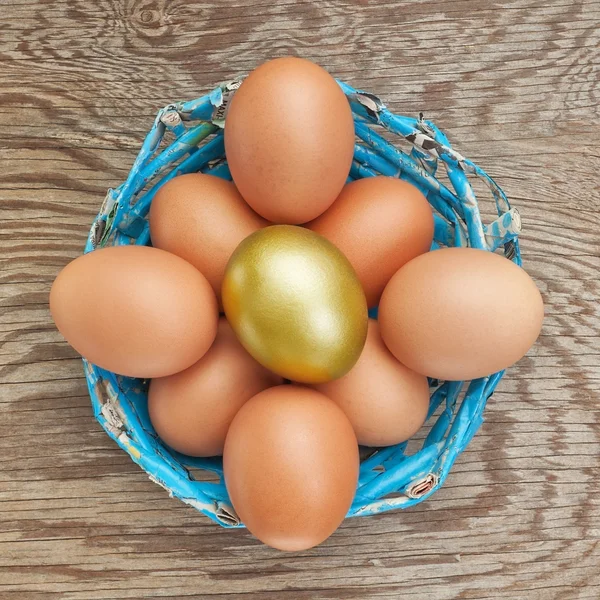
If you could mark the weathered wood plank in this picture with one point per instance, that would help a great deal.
(515, 83)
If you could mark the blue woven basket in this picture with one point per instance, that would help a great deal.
(188, 137)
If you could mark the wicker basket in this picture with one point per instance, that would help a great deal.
(390, 477)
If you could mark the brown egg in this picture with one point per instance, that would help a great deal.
(460, 313)
(289, 140)
(202, 218)
(192, 410)
(135, 310)
(386, 402)
(379, 223)
(291, 466)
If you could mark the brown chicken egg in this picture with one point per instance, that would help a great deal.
(460, 313)
(385, 401)
(135, 310)
(202, 219)
(191, 411)
(379, 223)
(289, 140)
(291, 466)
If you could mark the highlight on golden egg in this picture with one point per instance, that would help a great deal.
(296, 304)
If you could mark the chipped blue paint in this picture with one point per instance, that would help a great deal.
(186, 137)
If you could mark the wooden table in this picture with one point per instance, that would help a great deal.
(516, 84)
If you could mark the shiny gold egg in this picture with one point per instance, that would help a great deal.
(296, 304)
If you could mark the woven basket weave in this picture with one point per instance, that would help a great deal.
(188, 137)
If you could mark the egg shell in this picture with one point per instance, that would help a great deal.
(135, 310)
(289, 140)
(191, 411)
(460, 313)
(379, 223)
(296, 304)
(386, 402)
(291, 466)
(202, 219)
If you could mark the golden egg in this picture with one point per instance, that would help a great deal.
(296, 304)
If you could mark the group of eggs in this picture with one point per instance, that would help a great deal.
(294, 375)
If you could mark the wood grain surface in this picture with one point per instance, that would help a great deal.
(515, 83)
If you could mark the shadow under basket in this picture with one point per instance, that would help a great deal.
(187, 137)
